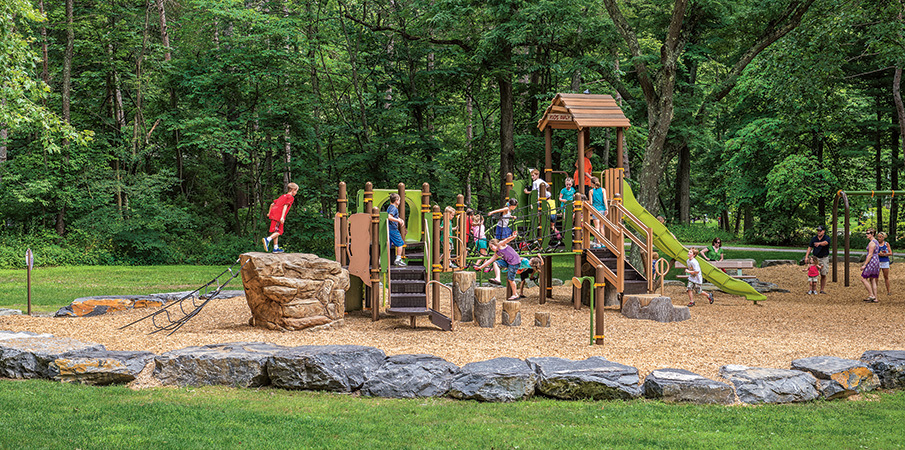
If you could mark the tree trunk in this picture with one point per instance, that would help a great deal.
(899, 134)
(164, 31)
(507, 142)
(878, 161)
(66, 95)
(894, 183)
(683, 184)
(749, 222)
(287, 158)
(485, 307)
(45, 70)
(469, 143)
(512, 314)
(821, 199)
(464, 295)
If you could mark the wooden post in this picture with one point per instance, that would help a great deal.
(425, 207)
(548, 275)
(577, 249)
(343, 209)
(485, 307)
(542, 319)
(463, 295)
(461, 232)
(599, 284)
(548, 156)
(375, 264)
(508, 186)
(366, 208)
(402, 230)
(581, 167)
(512, 315)
(435, 257)
(619, 139)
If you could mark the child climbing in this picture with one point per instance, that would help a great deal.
(813, 271)
(502, 230)
(536, 184)
(598, 201)
(508, 259)
(528, 269)
(695, 279)
(394, 223)
(277, 214)
(567, 193)
(552, 204)
(478, 233)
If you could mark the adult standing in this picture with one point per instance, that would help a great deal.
(870, 270)
(820, 248)
(588, 153)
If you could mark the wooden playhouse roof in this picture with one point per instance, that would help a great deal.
(574, 111)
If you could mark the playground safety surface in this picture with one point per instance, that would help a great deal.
(772, 333)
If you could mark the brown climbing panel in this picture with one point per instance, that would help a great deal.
(360, 246)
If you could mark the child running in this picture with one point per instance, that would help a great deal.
(813, 271)
(695, 280)
(508, 259)
(277, 214)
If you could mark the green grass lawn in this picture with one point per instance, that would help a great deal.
(44, 414)
(55, 287)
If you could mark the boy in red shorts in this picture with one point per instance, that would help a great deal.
(277, 215)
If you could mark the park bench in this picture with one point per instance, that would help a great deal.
(727, 265)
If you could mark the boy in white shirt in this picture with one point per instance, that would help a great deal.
(695, 280)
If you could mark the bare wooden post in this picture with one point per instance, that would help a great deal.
(619, 139)
(485, 307)
(508, 185)
(435, 258)
(548, 275)
(542, 319)
(343, 209)
(548, 156)
(461, 232)
(512, 315)
(366, 208)
(375, 264)
(402, 229)
(463, 295)
(576, 247)
(599, 284)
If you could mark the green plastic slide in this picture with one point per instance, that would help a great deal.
(668, 244)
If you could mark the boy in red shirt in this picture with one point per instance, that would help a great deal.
(277, 215)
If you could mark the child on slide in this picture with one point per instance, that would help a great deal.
(508, 259)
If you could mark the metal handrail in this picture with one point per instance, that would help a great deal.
(452, 305)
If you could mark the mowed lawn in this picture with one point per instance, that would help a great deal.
(45, 414)
(55, 287)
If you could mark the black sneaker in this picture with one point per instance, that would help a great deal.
(710, 296)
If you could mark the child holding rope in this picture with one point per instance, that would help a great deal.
(479, 234)
(508, 259)
(502, 230)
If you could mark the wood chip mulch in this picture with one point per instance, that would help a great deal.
(730, 331)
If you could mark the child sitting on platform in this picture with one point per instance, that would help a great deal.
(508, 259)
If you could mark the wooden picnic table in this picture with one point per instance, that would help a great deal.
(726, 264)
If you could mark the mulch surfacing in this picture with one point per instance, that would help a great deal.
(772, 333)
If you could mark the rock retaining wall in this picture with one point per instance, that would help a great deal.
(354, 368)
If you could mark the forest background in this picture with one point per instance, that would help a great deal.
(159, 131)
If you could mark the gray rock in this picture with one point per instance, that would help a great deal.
(411, 376)
(240, 364)
(762, 385)
(593, 378)
(555, 282)
(659, 309)
(10, 312)
(838, 377)
(496, 380)
(339, 368)
(762, 286)
(889, 365)
(673, 283)
(99, 367)
(29, 357)
(5, 334)
(679, 385)
(777, 262)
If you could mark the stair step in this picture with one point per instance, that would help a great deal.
(399, 273)
(408, 300)
(407, 311)
(407, 286)
(635, 287)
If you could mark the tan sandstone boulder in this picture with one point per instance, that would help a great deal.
(294, 291)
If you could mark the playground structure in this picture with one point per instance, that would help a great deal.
(843, 196)
(362, 244)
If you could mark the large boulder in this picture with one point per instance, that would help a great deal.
(679, 385)
(99, 367)
(838, 377)
(239, 364)
(10, 312)
(102, 304)
(763, 385)
(411, 376)
(294, 291)
(889, 365)
(497, 380)
(29, 357)
(593, 378)
(657, 308)
(338, 368)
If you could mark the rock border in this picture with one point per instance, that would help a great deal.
(369, 371)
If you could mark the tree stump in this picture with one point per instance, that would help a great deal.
(512, 315)
(463, 295)
(485, 307)
(542, 319)
(610, 295)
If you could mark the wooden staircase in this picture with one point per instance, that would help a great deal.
(408, 289)
(633, 281)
